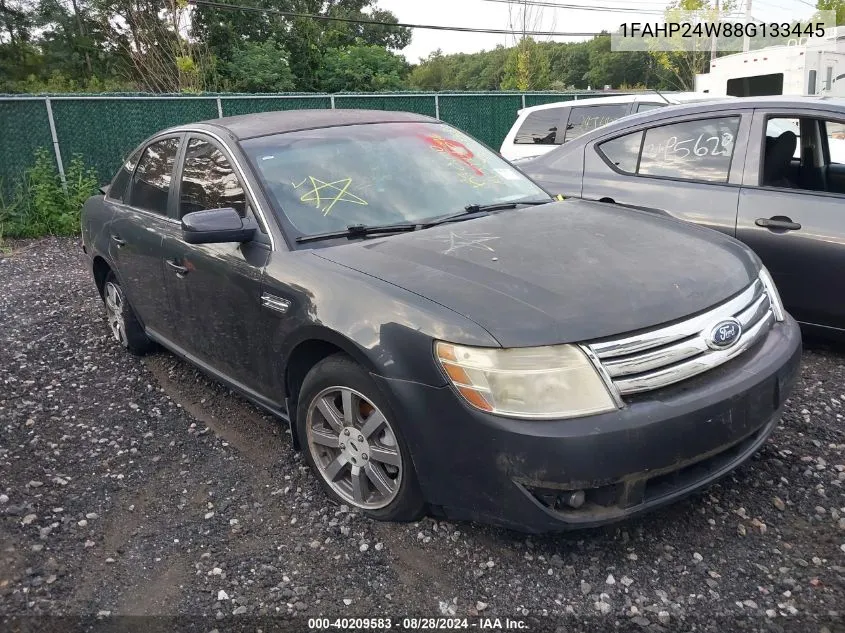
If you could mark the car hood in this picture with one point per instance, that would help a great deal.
(562, 272)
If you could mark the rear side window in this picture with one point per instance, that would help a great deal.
(540, 128)
(208, 180)
(693, 150)
(151, 182)
(117, 190)
(587, 119)
(644, 107)
(623, 152)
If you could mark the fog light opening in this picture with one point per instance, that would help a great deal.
(574, 499)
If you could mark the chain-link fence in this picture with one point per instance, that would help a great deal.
(104, 128)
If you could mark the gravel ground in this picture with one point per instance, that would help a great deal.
(139, 487)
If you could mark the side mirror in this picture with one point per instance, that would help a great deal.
(216, 226)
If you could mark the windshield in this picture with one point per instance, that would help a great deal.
(386, 173)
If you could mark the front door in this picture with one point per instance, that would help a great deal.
(139, 221)
(215, 289)
(792, 210)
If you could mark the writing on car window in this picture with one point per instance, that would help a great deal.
(325, 195)
(694, 150)
(588, 118)
(329, 178)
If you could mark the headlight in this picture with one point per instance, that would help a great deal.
(533, 382)
(774, 295)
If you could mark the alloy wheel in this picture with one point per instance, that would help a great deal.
(354, 447)
(114, 312)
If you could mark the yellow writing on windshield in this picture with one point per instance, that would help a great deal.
(325, 195)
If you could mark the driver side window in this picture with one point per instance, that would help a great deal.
(209, 181)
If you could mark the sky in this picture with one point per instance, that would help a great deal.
(494, 14)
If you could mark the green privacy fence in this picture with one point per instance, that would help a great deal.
(104, 128)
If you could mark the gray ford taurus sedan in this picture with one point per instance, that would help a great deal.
(441, 336)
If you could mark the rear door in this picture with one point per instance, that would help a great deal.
(138, 225)
(689, 168)
(793, 213)
(215, 289)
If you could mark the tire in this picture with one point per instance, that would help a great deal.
(121, 317)
(381, 482)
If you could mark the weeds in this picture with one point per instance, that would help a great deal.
(39, 204)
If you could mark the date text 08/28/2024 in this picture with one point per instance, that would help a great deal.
(417, 624)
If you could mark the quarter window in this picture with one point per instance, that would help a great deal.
(208, 180)
(644, 107)
(693, 150)
(151, 182)
(540, 128)
(588, 118)
(623, 151)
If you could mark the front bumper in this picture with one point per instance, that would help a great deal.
(659, 447)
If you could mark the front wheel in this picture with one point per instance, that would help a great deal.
(352, 441)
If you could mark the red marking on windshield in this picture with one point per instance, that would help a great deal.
(455, 149)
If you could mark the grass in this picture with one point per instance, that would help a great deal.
(40, 204)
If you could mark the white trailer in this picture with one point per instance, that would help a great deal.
(809, 66)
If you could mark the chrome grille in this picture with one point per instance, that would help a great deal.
(667, 355)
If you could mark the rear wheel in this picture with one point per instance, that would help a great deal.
(121, 317)
(352, 441)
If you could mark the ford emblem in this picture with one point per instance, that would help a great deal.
(724, 334)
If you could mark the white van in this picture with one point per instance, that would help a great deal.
(541, 128)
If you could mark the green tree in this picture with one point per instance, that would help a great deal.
(259, 67)
(616, 69)
(837, 6)
(569, 63)
(362, 68)
(527, 67)
(306, 41)
(430, 73)
(680, 65)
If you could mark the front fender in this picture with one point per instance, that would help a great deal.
(387, 329)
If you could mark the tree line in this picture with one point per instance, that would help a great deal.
(170, 46)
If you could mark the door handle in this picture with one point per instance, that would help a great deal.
(778, 222)
(181, 271)
(116, 239)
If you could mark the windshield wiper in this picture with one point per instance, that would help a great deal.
(354, 231)
(472, 210)
(358, 230)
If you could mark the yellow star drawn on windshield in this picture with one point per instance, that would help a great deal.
(333, 192)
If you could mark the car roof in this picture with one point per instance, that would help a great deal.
(247, 126)
(719, 104)
(632, 98)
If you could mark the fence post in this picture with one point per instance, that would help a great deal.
(331, 98)
(437, 107)
(55, 138)
(219, 108)
(523, 100)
